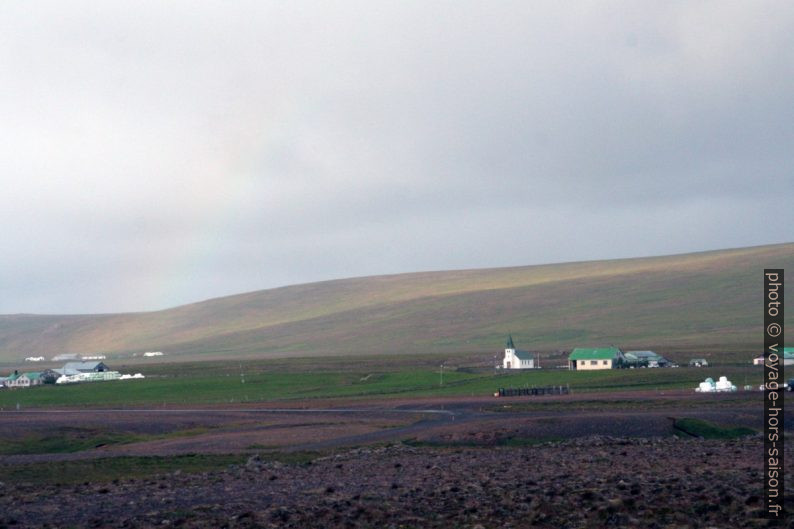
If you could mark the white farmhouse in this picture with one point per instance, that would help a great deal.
(515, 359)
(25, 380)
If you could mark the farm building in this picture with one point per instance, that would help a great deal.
(57, 373)
(515, 359)
(7, 381)
(646, 359)
(788, 357)
(49, 376)
(590, 358)
(10, 379)
(86, 367)
(25, 380)
(698, 362)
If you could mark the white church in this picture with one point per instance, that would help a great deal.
(515, 359)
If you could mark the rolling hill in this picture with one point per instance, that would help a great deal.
(708, 301)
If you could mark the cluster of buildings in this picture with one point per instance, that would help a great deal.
(586, 358)
(71, 372)
(596, 358)
(592, 358)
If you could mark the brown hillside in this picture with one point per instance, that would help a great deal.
(688, 302)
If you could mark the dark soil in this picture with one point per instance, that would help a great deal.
(619, 466)
(581, 483)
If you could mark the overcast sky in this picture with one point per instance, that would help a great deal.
(158, 153)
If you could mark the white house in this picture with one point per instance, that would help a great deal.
(25, 380)
(515, 359)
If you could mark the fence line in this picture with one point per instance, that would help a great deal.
(528, 392)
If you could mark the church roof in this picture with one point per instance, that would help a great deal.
(509, 344)
(524, 355)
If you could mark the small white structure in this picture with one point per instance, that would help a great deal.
(706, 387)
(721, 386)
(34, 359)
(698, 362)
(515, 359)
(153, 353)
(64, 357)
(94, 357)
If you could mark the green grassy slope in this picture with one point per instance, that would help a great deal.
(703, 301)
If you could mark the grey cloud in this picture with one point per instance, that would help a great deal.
(215, 148)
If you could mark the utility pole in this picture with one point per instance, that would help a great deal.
(441, 375)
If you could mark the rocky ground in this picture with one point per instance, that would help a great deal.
(588, 482)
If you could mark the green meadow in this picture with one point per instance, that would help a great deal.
(192, 384)
(689, 427)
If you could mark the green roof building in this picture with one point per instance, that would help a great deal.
(592, 358)
(25, 380)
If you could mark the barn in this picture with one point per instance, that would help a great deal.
(86, 367)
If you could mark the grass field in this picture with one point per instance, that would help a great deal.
(76, 438)
(689, 427)
(190, 384)
(63, 441)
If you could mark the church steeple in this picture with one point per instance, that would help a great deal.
(509, 344)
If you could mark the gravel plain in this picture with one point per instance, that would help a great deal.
(594, 481)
